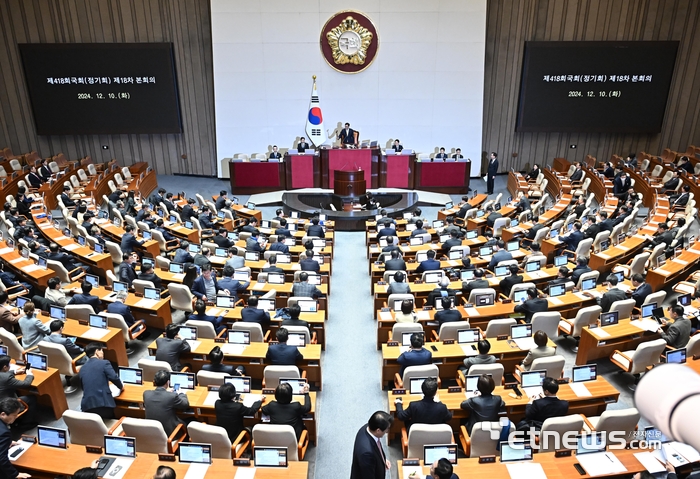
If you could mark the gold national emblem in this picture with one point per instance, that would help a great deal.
(349, 42)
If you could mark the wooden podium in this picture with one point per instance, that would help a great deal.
(349, 183)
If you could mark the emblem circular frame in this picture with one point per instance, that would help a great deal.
(327, 52)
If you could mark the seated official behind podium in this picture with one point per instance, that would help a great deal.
(283, 411)
(302, 145)
(425, 411)
(442, 155)
(458, 154)
(282, 354)
(275, 155)
(162, 403)
(484, 407)
(416, 356)
(230, 413)
(397, 146)
(347, 135)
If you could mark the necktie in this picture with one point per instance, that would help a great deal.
(381, 451)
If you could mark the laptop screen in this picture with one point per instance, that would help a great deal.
(176, 268)
(193, 248)
(224, 301)
(468, 336)
(454, 255)
(266, 304)
(557, 290)
(438, 224)
(182, 381)
(21, 301)
(151, 293)
(513, 245)
(433, 277)
(241, 275)
(308, 305)
(529, 379)
(588, 443)
(471, 234)
(515, 452)
(37, 361)
(484, 299)
(275, 278)
(676, 356)
(52, 437)
(146, 263)
(406, 337)
(471, 382)
(239, 337)
(561, 260)
(521, 331)
(608, 319)
(194, 453)
(520, 295)
(501, 270)
(44, 263)
(684, 300)
(146, 235)
(433, 452)
(587, 284)
(297, 339)
(241, 383)
(415, 386)
(283, 258)
(188, 332)
(416, 241)
(120, 446)
(438, 304)
(296, 383)
(648, 310)
(514, 223)
(57, 312)
(131, 375)
(264, 456)
(97, 321)
(620, 276)
(444, 237)
(466, 274)
(532, 266)
(485, 251)
(220, 252)
(118, 286)
(588, 372)
(4, 351)
(250, 205)
(252, 256)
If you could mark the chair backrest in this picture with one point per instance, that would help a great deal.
(180, 297)
(140, 285)
(521, 286)
(423, 371)
(482, 441)
(210, 378)
(423, 434)
(85, 428)
(476, 291)
(623, 307)
(117, 321)
(638, 264)
(149, 434)
(554, 365)
(393, 298)
(647, 354)
(618, 420)
(255, 330)
(272, 374)
(645, 165)
(599, 238)
(693, 346)
(541, 235)
(590, 275)
(14, 349)
(584, 317)
(208, 434)
(58, 357)
(656, 171)
(584, 248)
(79, 311)
(554, 428)
(450, 330)
(161, 261)
(547, 322)
(111, 277)
(273, 435)
(205, 329)
(495, 369)
(655, 253)
(151, 367)
(499, 224)
(300, 329)
(398, 329)
(115, 251)
(499, 327)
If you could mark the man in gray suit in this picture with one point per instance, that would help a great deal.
(613, 294)
(170, 347)
(678, 333)
(482, 358)
(162, 402)
(57, 337)
(396, 263)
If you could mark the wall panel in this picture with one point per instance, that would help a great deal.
(512, 22)
(183, 22)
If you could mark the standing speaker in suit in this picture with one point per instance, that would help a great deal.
(369, 461)
(347, 135)
(491, 172)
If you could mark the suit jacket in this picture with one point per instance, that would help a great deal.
(641, 293)
(427, 265)
(610, 297)
(498, 256)
(447, 245)
(291, 414)
(214, 320)
(279, 246)
(524, 204)
(492, 168)
(72, 349)
(532, 232)
(441, 156)
(67, 201)
(252, 245)
(9, 384)
(447, 316)
(281, 354)
(310, 265)
(414, 357)
(117, 307)
(508, 282)
(475, 284)
(578, 271)
(666, 237)
(199, 289)
(592, 231)
(182, 256)
(127, 274)
(230, 414)
(398, 288)
(535, 353)
(301, 146)
(678, 334)
(672, 184)
(95, 376)
(255, 315)
(621, 185)
(492, 217)
(347, 137)
(681, 200)
(437, 294)
(45, 172)
(425, 411)
(542, 409)
(606, 225)
(275, 154)
(162, 405)
(572, 239)
(63, 258)
(169, 350)
(482, 408)
(386, 231)
(153, 278)
(397, 148)
(187, 213)
(367, 459)
(87, 299)
(130, 243)
(34, 180)
(532, 306)
(283, 232)
(577, 175)
(305, 289)
(317, 230)
(609, 172)
(7, 319)
(7, 470)
(397, 264)
(222, 241)
(295, 322)
(233, 285)
(478, 359)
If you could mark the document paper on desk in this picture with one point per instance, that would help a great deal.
(233, 349)
(645, 324)
(386, 316)
(146, 303)
(16, 260)
(193, 344)
(649, 462)
(423, 315)
(580, 390)
(5, 251)
(408, 470)
(30, 268)
(95, 333)
(197, 471)
(245, 473)
(468, 350)
(249, 399)
(526, 470)
(24, 445)
(212, 397)
(601, 463)
(472, 311)
(71, 247)
(555, 301)
(600, 333)
(525, 344)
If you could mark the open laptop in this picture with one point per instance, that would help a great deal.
(588, 284)
(115, 447)
(151, 293)
(241, 275)
(648, 310)
(266, 304)
(131, 375)
(532, 266)
(521, 335)
(225, 301)
(470, 385)
(176, 268)
(438, 304)
(557, 290)
(466, 336)
(275, 278)
(241, 383)
(513, 245)
(454, 255)
(182, 381)
(308, 305)
(466, 274)
(433, 452)
(252, 256)
(531, 381)
(587, 372)
(297, 339)
(589, 443)
(265, 456)
(37, 361)
(194, 453)
(484, 300)
(20, 301)
(501, 271)
(52, 437)
(609, 319)
(485, 251)
(471, 234)
(238, 337)
(416, 241)
(97, 321)
(188, 333)
(515, 452)
(561, 260)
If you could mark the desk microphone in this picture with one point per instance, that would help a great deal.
(357, 168)
(341, 168)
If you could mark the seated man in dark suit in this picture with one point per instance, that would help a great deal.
(386, 230)
(86, 298)
(170, 347)
(396, 263)
(442, 469)
(613, 294)
(65, 197)
(499, 254)
(448, 314)
(476, 283)
(685, 164)
(390, 245)
(148, 274)
(275, 155)
(304, 288)
(129, 242)
(118, 307)
(221, 200)
(442, 155)
(309, 263)
(492, 216)
(182, 254)
(56, 337)
(302, 145)
(254, 243)
(216, 365)
(279, 246)
(221, 239)
(283, 230)
(315, 229)
(483, 346)
(641, 289)
(188, 210)
(452, 241)
(232, 286)
(168, 202)
(680, 199)
(606, 224)
(430, 264)
(532, 232)
(533, 304)
(272, 268)
(577, 174)
(592, 229)
(458, 154)
(9, 385)
(65, 259)
(663, 235)
(417, 355)
(251, 226)
(284, 411)
(419, 229)
(200, 314)
(443, 291)
(545, 407)
(282, 354)
(293, 320)
(580, 268)
(205, 219)
(609, 171)
(573, 238)
(253, 314)
(426, 410)
(508, 282)
(162, 403)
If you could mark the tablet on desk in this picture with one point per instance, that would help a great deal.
(119, 286)
(501, 271)
(93, 280)
(20, 301)
(433, 452)
(533, 266)
(120, 446)
(224, 301)
(241, 383)
(194, 453)
(176, 268)
(297, 339)
(238, 337)
(97, 321)
(484, 300)
(455, 255)
(471, 234)
(52, 437)
(433, 277)
(561, 260)
(468, 336)
(609, 319)
(556, 290)
(297, 384)
(241, 275)
(515, 452)
(188, 333)
(42, 262)
(518, 331)
(513, 245)
(37, 361)
(182, 381)
(416, 385)
(151, 293)
(57, 312)
(308, 305)
(648, 310)
(131, 375)
(416, 241)
(589, 443)
(676, 356)
(588, 372)
(264, 456)
(266, 304)
(485, 251)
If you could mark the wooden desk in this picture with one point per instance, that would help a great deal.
(450, 177)
(48, 462)
(253, 357)
(602, 394)
(150, 248)
(675, 268)
(25, 268)
(130, 403)
(622, 336)
(49, 387)
(473, 202)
